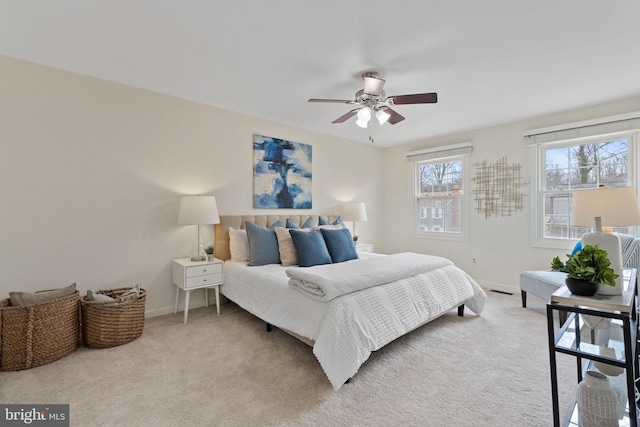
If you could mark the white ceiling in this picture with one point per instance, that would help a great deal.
(491, 62)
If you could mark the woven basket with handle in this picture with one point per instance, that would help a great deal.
(111, 323)
(37, 334)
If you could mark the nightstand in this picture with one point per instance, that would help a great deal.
(364, 247)
(189, 275)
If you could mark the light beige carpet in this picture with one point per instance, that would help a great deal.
(491, 370)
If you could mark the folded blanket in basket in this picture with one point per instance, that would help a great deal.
(326, 282)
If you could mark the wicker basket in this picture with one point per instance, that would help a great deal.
(37, 334)
(111, 323)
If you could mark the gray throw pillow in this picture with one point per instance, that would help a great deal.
(28, 298)
(263, 244)
(135, 290)
(93, 296)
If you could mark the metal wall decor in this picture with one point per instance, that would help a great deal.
(497, 191)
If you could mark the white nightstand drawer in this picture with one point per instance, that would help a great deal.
(364, 247)
(201, 270)
(207, 279)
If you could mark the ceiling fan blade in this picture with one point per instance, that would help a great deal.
(338, 101)
(416, 98)
(373, 86)
(395, 117)
(347, 116)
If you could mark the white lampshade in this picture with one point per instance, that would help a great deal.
(615, 206)
(354, 212)
(198, 210)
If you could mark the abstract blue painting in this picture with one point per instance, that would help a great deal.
(281, 173)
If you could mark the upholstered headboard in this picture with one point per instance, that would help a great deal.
(221, 246)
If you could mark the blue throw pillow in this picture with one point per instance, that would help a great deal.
(310, 248)
(340, 244)
(263, 244)
(338, 221)
(577, 247)
(291, 225)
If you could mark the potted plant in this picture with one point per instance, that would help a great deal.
(586, 270)
(209, 252)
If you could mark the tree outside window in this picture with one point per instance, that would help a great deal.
(574, 167)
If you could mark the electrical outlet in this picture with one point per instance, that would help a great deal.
(474, 260)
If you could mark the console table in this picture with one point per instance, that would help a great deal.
(621, 311)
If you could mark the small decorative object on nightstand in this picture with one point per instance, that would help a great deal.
(189, 275)
(209, 252)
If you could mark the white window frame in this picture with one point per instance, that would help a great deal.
(623, 126)
(442, 154)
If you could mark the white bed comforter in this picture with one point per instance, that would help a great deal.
(348, 328)
(361, 322)
(326, 282)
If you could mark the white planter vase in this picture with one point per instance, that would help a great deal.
(597, 402)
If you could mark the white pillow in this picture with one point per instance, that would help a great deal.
(328, 227)
(239, 245)
(288, 254)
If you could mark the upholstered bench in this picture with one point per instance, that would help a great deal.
(543, 283)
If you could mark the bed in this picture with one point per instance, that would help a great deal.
(344, 310)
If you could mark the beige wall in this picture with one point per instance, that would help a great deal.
(91, 174)
(502, 245)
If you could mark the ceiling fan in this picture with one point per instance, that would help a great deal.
(372, 101)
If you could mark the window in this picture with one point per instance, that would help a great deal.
(439, 183)
(569, 161)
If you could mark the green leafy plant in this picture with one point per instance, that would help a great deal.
(590, 264)
(209, 250)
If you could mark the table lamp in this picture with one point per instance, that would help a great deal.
(354, 212)
(612, 207)
(198, 210)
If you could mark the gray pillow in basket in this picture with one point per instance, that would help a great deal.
(28, 298)
(92, 296)
(135, 290)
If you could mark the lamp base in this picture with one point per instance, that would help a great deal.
(610, 243)
(198, 258)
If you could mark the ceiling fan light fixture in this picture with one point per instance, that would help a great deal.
(382, 116)
(362, 123)
(364, 114)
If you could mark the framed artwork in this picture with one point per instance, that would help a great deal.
(281, 174)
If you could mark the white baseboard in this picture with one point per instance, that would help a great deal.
(158, 312)
(500, 287)
(169, 310)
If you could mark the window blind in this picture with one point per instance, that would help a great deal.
(577, 130)
(440, 152)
